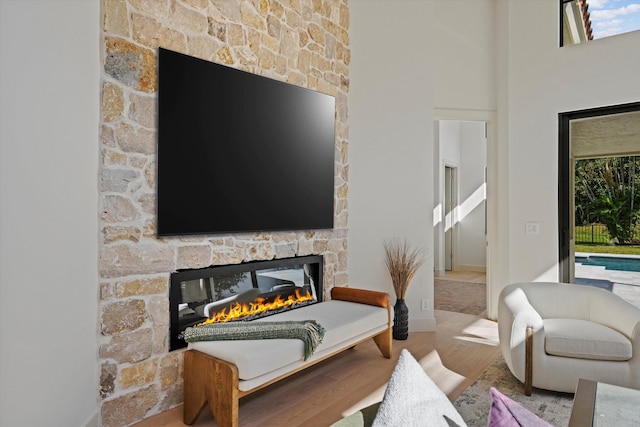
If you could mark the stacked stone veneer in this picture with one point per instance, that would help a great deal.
(303, 42)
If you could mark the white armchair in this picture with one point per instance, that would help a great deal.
(552, 334)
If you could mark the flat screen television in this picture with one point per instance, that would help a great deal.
(238, 152)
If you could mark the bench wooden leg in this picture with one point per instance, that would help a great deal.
(208, 379)
(195, 397)
(384, 341)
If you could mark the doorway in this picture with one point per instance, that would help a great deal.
(460, 215)
(460, 223)
(593, 133)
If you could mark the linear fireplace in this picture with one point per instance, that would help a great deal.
(241, 292)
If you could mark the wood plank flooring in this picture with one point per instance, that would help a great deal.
(454, 356)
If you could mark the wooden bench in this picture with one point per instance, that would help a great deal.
(218, 382)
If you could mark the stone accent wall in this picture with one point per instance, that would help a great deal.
(303, 42)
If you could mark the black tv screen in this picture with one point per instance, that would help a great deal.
(238, 152)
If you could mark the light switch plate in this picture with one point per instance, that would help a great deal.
(532, 228)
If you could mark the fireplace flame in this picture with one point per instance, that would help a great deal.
(257, 307)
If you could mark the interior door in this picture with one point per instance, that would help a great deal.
(449, 211)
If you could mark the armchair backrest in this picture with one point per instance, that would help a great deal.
(569, 301)
(559, 300)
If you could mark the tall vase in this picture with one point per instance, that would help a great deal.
(400, 320)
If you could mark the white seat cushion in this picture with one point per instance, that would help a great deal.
(583, 339)
(342, 321)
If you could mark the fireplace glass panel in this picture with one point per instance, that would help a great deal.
(197, 295)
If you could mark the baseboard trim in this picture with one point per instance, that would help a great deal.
(472, 268)
(422, 325)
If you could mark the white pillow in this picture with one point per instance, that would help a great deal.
(413, 399)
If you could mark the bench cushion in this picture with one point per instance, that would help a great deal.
(342, 321)
(583, 339)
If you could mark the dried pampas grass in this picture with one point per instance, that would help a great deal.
(403, 261)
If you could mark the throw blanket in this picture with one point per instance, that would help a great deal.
(309, 331)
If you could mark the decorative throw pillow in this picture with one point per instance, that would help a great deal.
(508, 413)
(413, 399)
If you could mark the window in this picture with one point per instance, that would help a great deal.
(587, 20)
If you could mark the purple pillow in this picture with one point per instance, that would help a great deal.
(507, 413)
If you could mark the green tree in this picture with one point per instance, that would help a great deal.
(223, 286)
(606, 193)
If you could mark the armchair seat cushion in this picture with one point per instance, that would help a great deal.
(583, 339)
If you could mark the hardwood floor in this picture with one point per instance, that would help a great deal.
(454, 356)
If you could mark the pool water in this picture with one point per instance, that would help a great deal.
(611, 263)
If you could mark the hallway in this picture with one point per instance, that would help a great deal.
(460, 292)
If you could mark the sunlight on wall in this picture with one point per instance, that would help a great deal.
(437, 214)
(472, 202)
(449, 219)
(460, 212)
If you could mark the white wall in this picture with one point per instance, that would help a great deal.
(391, 143)
(464, 55)
(470, 40)
(49, 110)
(544, 80)
(409, 59)
(528, 80)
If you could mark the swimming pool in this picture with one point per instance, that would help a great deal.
(611, 262)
